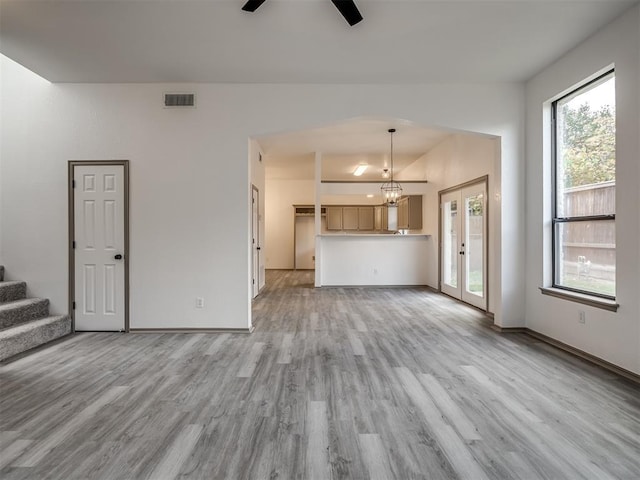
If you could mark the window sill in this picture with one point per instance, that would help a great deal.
(590, 300)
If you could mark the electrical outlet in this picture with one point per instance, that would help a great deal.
(199, 302)
(581, 317)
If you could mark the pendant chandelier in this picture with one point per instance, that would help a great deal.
(391, 191)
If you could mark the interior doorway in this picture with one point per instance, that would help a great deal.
(304, 236)
(255, 241)
(463, 242)
(305, 243)
(98, 245)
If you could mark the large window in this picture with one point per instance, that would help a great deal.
(584, 241)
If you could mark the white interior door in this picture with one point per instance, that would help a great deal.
(305, 243)
(99, 247)
(255, 241)
(463, 256)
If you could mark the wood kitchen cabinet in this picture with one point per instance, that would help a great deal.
(377, 218)
(410, 212)
(365, 218)
(403, 213)
(334, 218)
(350, 218)
(370, 218)
(381, 218)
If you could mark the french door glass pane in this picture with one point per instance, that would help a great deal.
(586, 256)
(450, 255)
(474, 247)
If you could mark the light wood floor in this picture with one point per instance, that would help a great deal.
(334, 383)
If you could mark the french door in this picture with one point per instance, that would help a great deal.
(463, 226)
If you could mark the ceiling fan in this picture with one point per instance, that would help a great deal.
(347, 8)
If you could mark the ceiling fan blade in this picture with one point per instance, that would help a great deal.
(348, 10)
(252, 5)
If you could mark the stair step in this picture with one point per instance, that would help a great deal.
(20, 338)
(10, 291)
(21, 311)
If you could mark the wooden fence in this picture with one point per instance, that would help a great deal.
(589, 247)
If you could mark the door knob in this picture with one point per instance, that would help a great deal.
(257, 248)
(118, 257)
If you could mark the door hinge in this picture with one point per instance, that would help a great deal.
(73, 244)
(73, 184)
(74, 305)
(253, 281)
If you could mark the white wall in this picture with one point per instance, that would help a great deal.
(279, 221)
(355, 193)
(373, 260)
(456, 160)
(614, 337)
(189, 178)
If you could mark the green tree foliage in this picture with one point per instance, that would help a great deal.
(589, 145)
(475, 205)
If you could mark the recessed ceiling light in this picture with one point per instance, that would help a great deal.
(359, 170)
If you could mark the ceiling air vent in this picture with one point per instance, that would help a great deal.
(179, 100)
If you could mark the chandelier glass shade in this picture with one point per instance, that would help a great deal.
(391, 192)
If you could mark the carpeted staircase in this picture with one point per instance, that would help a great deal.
(25, 323)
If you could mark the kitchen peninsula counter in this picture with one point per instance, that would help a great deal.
(359, 259)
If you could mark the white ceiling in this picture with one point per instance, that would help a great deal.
(346, 145)
(295, 41)
(302, 41)
(337, 167)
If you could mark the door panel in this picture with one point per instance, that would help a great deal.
(463, 249)
(89, 289)
(450, 246)
(110, 289)
(474, 246)
(99, 237)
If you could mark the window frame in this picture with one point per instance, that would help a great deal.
(555, 219)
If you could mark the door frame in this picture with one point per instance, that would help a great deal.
(255, 237)
(484, 179)
(72, 264)
(295, 240)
